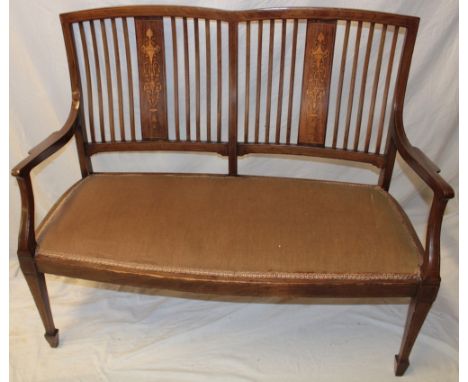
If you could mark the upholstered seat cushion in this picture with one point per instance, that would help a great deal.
(235, 227)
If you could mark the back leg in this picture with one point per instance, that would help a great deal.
(37, 285)
(417, 312)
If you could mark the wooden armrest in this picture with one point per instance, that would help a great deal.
(52, 143)
(420, 163)
(423, 158)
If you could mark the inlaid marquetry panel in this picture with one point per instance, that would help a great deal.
(316, 82)
(150, 46)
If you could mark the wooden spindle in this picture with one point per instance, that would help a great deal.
(291, 80)
(352, 85)
(130, 80)
(269, 81)
(247, 83)
(208, 79)
(233, 41)
(375, 88)
(340, 84)
(279, 108)
(110, 97)
(187, 82)
(259, 80)
(81, 134)
(119, 80)
(363, 86)
(197, 79)
(386, 89)
(219, 77)
(176, 78)
(89, 87)
(98, 80)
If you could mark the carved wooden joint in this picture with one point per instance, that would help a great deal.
(427, 292)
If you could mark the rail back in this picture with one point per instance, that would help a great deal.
(304, 81)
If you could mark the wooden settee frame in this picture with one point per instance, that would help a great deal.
(310, 143)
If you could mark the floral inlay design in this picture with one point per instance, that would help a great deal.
(317, 84)
(151, 74)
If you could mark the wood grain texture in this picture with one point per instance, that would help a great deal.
(197, 79)
(259, 80)
(269, 81)
(89, 87)
(110, 97)
(279, 108)
(352, 85)
(219, 74)
(176, 78)
(208, 79)
(375, 88)
(318, 60)
(131, 104)
(247, 83)
(187, 82)
(340, 84)
(119, 80)
(233, 100)
(97, 67)
(152, 76)
(291, 81)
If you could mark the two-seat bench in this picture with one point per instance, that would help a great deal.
(139, 85)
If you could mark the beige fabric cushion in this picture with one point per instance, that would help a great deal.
(246, 227)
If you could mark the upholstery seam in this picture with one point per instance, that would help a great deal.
(224, 273)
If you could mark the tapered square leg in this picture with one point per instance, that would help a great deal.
(417, 313)
(37, 285)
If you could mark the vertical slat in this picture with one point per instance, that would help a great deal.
(80, 132)
(110, 97)
(269, 81)
(219, 77)
(119, 80)
(208, 78)
(259, 79)
(340, 84)
(279, 109)
(88, 83)
(197, 79)
(187, 82)
(98, 80)
(291, 80)
(176, 79)
(386, 89)
(363, 86)
(77, 82)
(375, 88)
(233, 40)
(353, 82)
(247, 83)
(130, 79)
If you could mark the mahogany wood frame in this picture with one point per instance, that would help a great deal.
(422, 292)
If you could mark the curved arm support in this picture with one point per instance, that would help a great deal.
(428, 171)
(431, 267)
(52, 143)
(419, 162)
(26, 238)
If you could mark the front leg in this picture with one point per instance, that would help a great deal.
(37, 285)
(417, 312)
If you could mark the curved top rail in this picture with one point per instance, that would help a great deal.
(242, 15)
